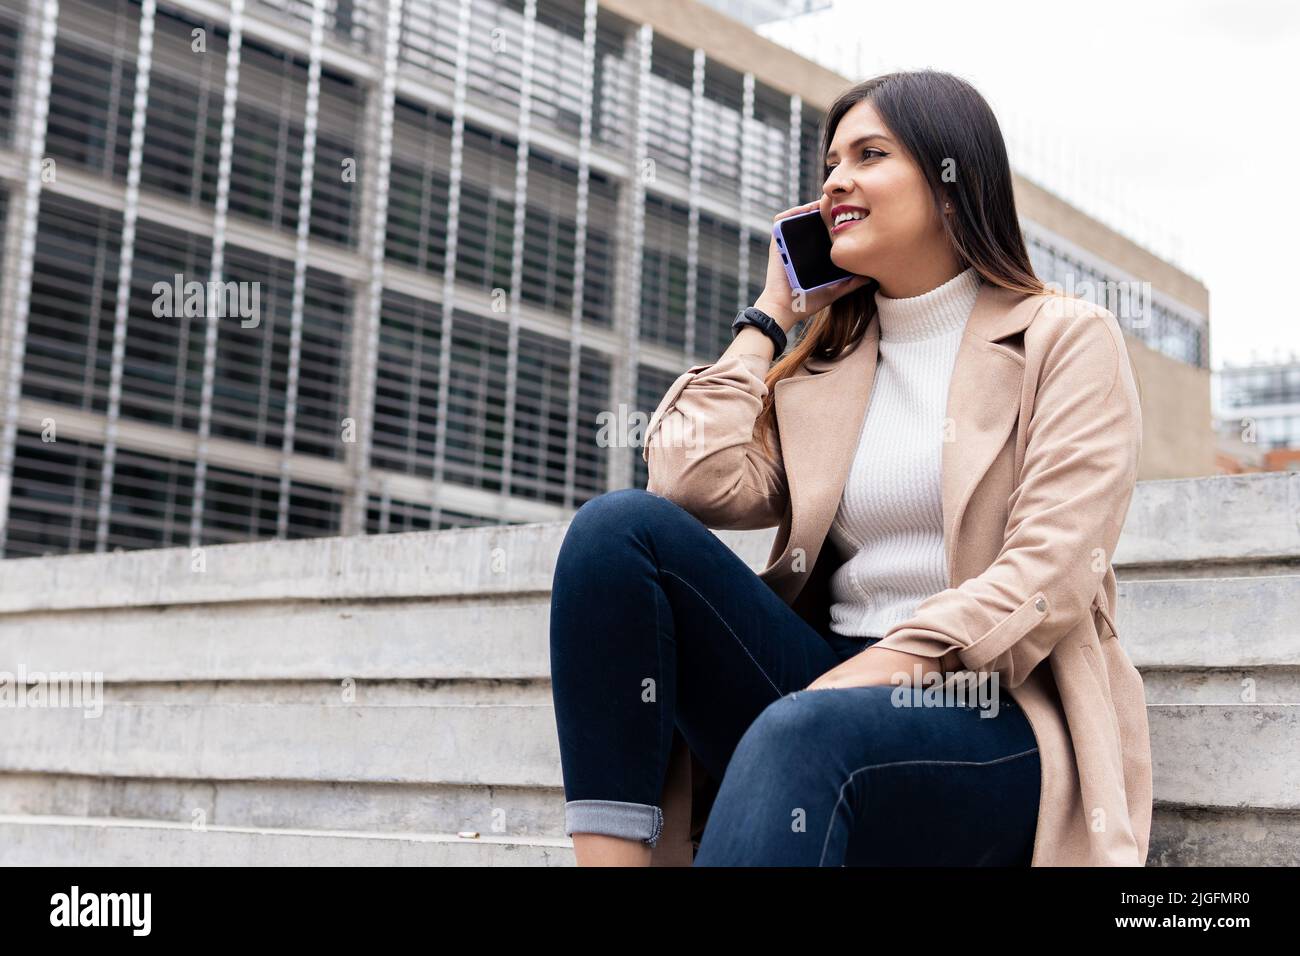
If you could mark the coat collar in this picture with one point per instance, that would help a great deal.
(821, 410)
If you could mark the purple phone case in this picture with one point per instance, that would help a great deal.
(785, 259)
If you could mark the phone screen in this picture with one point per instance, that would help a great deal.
(808, 246)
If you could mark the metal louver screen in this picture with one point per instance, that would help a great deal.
(516, 327)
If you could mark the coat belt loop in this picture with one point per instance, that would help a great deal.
(1099, 604)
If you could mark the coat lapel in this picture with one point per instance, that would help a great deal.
(820, 416)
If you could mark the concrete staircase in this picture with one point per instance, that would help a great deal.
(370, 700)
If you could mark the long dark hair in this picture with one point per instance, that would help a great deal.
(941, 121)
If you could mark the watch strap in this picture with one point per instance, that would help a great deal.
(764, 323)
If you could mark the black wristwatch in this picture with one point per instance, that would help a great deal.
(763, 322)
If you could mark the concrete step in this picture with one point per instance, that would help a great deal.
(79, 841)
(1239, 519)
(1190, 836)
(503, 637)
(1234, 622)
(1178, 838)
(1226, 755)
(1209, 755)
(508, 745)
(517, 812)
(489, 562)
(1230, 622)
(1229, 519)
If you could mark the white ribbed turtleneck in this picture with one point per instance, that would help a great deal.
(889, 526)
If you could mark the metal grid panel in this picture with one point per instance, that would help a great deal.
(612, 84)
(487, 211)
(664, 274)
(758, 249)
(718, 291)
(334, 193)
(651, 386)
(632, 219)
(55, 496)
(242, 506)
(74, 279)
(385, 516)
(163, 368)
(557, 67)
(150, 502)
(541, 418)
(380, 103)
(719, 138)
(265, 169)
(419, 189)
(91, 90)
(183, 126)
(669, 107)
(495, 78)
(428, 39)
(126, 261)
(812, 165)
(601, 251)
(38, 44)
(251, 370)
(557, 72)
(476, 402)
(9, 33)
(769, 151)
(549, 242)
(591, 467)
(406, 388)
(238, 506)
(323, 373)
(351, 22)
(315, 511)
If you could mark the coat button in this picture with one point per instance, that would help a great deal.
(1040, 605)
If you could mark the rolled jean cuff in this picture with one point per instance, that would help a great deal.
(632, 821)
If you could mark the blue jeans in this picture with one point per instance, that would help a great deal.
(656, 624)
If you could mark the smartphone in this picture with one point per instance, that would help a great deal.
(805, 247)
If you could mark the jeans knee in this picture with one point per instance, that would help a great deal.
(610, 516)
(794, 719)
(779, 724)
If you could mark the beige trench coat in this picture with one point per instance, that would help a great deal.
(1040, 460)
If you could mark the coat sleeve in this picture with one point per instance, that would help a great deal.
(1065, 517)
(703, 451)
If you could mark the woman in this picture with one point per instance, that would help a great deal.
(948, 454)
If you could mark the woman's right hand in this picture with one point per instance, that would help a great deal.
(778, 299)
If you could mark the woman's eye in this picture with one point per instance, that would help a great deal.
(826, 170)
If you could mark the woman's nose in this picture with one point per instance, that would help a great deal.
(833, 185)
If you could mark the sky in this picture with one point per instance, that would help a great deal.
(1175, 122)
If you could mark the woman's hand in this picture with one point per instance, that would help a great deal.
(879, 666)
(778, 299)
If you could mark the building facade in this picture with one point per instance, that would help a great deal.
(286, 268)
(1257, 416)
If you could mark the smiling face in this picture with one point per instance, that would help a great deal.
(895, 234)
